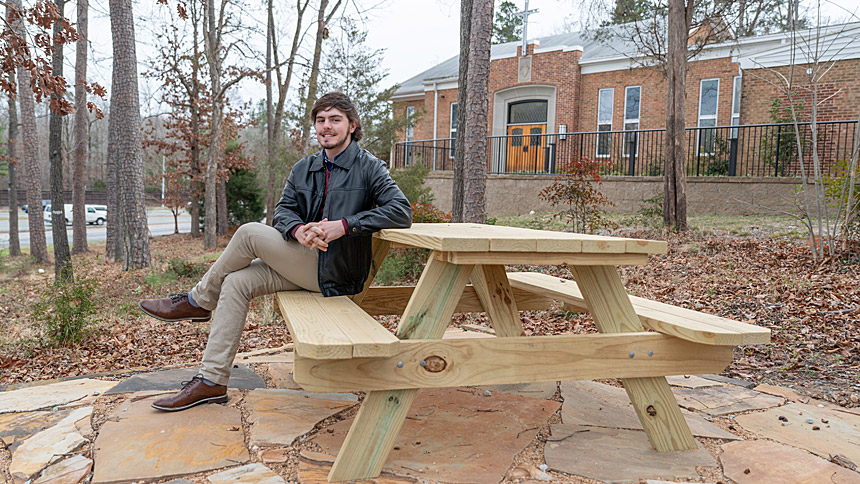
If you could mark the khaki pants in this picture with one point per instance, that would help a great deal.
(257, 261)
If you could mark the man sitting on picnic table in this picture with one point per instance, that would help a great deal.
(332, 204)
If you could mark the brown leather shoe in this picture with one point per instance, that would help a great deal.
(194, 392)
(174, 308)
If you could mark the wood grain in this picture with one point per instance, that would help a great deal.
(544, 258)
(491, 361)
(652, 399)
(333, 327)
(427, 315)
(381, 300)
(493, 289)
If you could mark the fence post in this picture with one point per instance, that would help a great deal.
(733, 156)
(631, 156)
(776, 160)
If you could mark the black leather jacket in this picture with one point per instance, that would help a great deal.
(361, 191)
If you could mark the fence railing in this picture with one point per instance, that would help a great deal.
(745, 150)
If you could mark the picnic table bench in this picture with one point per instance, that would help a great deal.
(340, 347)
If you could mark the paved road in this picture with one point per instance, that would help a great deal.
(160, 223)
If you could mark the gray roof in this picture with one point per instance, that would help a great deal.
(609, 44)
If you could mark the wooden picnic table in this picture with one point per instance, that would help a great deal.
(340, 347)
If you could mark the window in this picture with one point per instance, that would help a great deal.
(736, 105)
(632, 98)
(604, 120)
(708, 97)
(453, 125)
(410, 123)
(527, 112)
(516, 137)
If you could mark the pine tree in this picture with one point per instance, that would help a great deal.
(507, 27)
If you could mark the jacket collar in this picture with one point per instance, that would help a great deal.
(343, 160)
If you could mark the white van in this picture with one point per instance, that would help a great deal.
(94, 215)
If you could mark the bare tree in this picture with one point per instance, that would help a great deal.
(674, 165)
(11, 153)
(79, 150)
(132, 233)
(62, 256)
(30, 158)
(215, 27)
(323, 19)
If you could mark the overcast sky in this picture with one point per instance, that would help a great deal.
(416, 34)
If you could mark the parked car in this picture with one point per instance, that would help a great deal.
(44, 203)
(96, 214)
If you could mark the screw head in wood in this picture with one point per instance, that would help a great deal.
(399, 364)
(650, 352)
(632, 354)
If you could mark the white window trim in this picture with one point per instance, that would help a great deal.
(715, 116)
(452, 131)
(410, 126)
(736, 99)
(611, 91)
(631, 120)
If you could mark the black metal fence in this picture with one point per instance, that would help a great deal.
(747, 150)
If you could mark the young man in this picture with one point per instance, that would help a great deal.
(321, 241)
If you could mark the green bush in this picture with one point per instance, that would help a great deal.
(65, 309)
(411, 183)
(183, 268)
(575, 191)
(402, 266)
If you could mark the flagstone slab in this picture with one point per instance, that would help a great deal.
(16, 427)
(255, 473)
(793, 396)
(652, 481)
(281, 375)
(241, 377)
(154, 445)
(766, 462)
(838, 432)
(729, 381)
(724, 400)
(595, 404)
(691, 381)
(69, 471)
(618, 455)
(277, 417)
(315, 466)
(544, 390)
(72, 392)
(452, 435)
(36, 452)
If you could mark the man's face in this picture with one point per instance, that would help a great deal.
(333, 129)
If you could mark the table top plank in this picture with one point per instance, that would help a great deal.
(465, 237)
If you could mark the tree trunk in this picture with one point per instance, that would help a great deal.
(79, 225)
(196, 185)
(132, 230)
(312, 80)
(11, 152)
(62, 256)
(462, 102)
(211, 32)
(270, 127)
(112, 251)
(322, 21)
(675, 178)
(221, 195)
(475, 146)
(30, 154)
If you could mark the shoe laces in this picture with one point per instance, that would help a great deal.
(196, 378)
(178, 297)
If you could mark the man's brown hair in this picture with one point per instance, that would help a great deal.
(341, 102)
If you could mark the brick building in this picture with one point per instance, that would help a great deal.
(572, 83)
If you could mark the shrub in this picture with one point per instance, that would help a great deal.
(575, 189)
(426, 213)
(65, 309)
(183, 268)
(411, 183)
(402, 266)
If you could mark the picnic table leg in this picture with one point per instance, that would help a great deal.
(494, 290)
(382, 413)
(652, 398)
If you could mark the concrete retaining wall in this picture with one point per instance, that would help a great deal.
(518, 194)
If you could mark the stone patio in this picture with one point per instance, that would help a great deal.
(270, 432)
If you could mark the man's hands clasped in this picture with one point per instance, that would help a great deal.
(317, 235)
